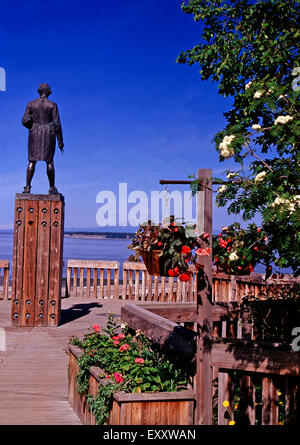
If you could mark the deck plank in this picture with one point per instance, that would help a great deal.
(33, 367)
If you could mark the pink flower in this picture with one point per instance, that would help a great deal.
(116, 342)
(96, 327)
(203, 252)
(121, 336)
(124, 347)
(115, 337)
(139, 360)
(118, 377)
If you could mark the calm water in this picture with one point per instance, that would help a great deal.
(87, 249)
(77, 248)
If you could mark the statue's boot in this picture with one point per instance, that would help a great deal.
(53, 191)
(27, 189)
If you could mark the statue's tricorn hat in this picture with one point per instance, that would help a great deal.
(44, 88)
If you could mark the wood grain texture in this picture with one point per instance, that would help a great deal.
(165, 408)
(37, 260)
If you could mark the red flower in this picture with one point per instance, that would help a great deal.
(184, 277)
(185, 249)
(173, 272)
(96, 327)
(118, 377)
(255, 248)
(222, 243)
(176, 229)
(116, 342)
(139, 360)
(159, 243)
(121, 336)
(124, 347)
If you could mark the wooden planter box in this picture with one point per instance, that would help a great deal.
(165, 408)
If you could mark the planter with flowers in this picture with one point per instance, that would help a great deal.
(118, 378)
(170, 248)
(237, 251)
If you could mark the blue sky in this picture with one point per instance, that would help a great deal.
(129, 112)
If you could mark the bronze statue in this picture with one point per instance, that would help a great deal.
(42, 119)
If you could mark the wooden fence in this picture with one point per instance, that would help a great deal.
(102, 279)
(4, 277)
(253, 382)
(106, 279)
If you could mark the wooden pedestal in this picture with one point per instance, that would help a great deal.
(37, 260)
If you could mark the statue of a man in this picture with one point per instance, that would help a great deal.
(42, 119)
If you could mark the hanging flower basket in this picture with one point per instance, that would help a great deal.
(170, 248)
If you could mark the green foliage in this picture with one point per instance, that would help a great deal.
(130, 363)
(251, 49)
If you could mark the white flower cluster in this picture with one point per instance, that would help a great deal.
(222, 189)
(283, 119)
(224, 147)
(260, 176)
(233, 256)
(248, 85)
(258, 94)
(290, 204)
(256, 127)
(231, 175)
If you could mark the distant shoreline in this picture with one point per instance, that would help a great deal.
(108, 235)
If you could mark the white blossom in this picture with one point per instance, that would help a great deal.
(225, 151)
(260, 176)
(283, 119)
(258, 94)
(256, 127)
(222, 189)
(248, 85)
(233, 256)
(231, 175)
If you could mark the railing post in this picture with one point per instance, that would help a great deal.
(203, 379)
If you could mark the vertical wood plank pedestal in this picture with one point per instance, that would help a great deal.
(37, 260)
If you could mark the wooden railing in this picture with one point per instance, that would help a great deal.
(93, 279)
(102, 279)
(253, 382)
(106, 279)
(4, 277)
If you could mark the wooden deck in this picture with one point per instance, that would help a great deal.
(33, 368)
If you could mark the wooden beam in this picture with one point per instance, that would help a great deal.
(244, 356)
(164, 332)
